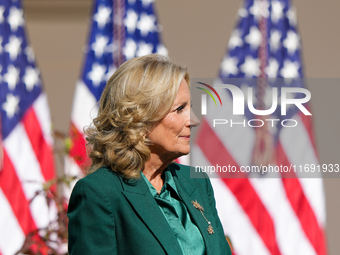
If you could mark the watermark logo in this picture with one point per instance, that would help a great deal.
(204, 97)
(238, 98)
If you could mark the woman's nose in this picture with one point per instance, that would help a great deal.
(194, 121)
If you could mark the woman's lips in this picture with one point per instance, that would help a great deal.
(186, 137)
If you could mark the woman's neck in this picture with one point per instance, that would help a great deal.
(154, 169)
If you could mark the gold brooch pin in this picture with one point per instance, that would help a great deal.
(201, 209)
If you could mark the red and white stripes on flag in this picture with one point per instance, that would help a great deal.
(264, 215)
(26, 144)
(27, 164)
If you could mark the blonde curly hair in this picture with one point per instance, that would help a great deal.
(136, 97)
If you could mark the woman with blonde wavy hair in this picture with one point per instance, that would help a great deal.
(135, 200)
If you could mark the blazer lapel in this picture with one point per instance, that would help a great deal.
(188, 194)
(137, 193)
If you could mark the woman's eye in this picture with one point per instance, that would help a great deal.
(179, 109)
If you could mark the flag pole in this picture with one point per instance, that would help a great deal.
(263, 152)
(118, 31)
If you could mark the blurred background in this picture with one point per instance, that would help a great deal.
(196, 33)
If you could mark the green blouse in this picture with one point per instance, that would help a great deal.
(188, 235)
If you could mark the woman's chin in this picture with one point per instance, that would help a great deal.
(182, 153)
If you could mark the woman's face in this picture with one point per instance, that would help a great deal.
(171, 136)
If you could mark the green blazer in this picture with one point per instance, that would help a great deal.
(109, 215)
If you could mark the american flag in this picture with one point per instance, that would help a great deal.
(265, 215)
(26, 159)
(120, 30)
